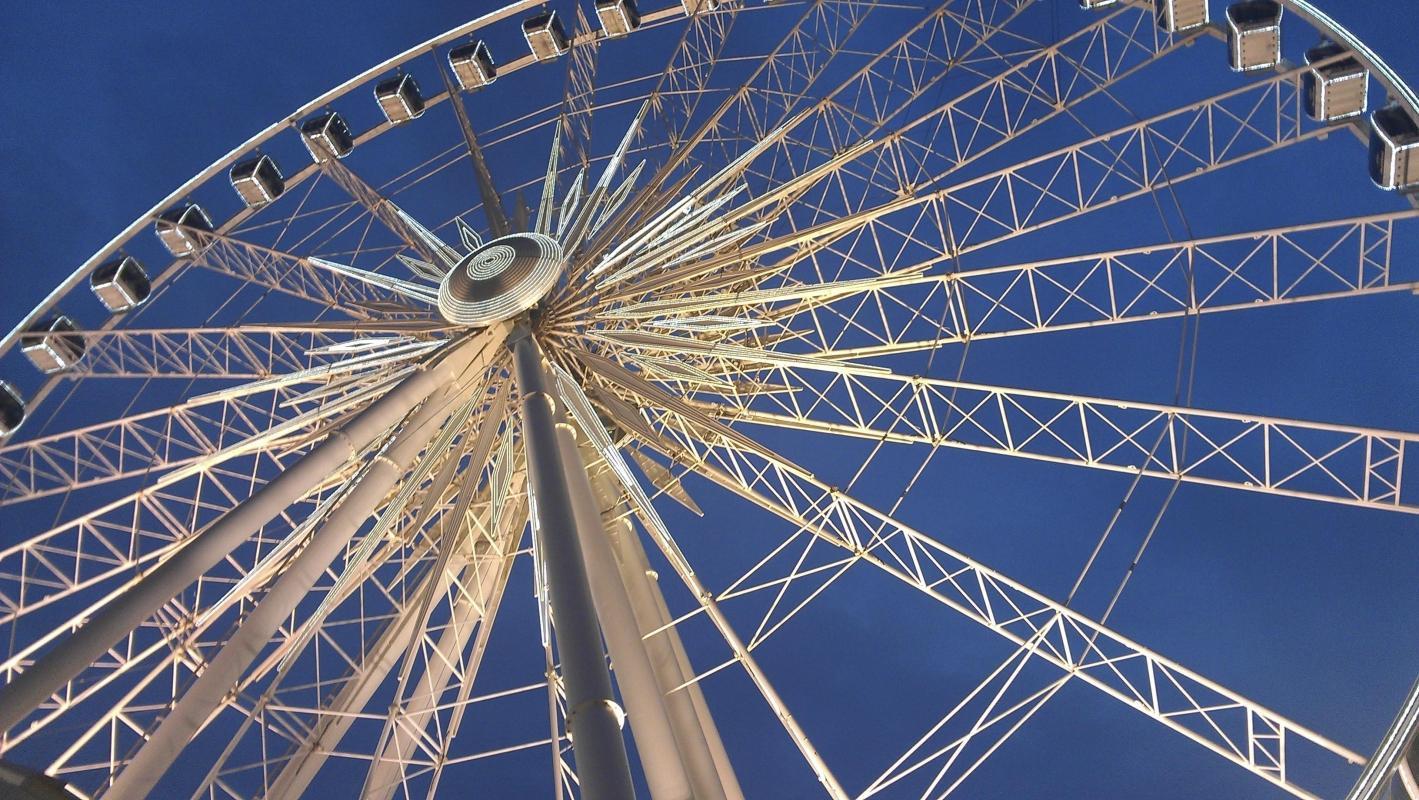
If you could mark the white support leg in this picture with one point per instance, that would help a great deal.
(593, 718)
(72, 656)
(645, 707)
(205, 694)
(696, 735)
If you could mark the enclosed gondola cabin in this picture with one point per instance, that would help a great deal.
(1180, 15)
(1096, 3)
(1254, 34)
(180, 229)
(399, 99)
(618, 17)
(121, 284)
(53, 344)
(1394, 149)
(12, 410)
(693, 7)
(472, 65)
(258, 181)
(1336, 89)
(327, 135)
(545, 36)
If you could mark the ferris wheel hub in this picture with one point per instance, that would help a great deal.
(500, 279)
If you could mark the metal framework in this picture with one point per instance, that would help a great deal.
(265, 527)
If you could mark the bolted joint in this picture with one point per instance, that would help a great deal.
(381, 458)
(551, 401)
(340, 435)
(520, 331)
(600, 703)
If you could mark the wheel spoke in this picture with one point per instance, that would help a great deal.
(243, 352)
(1233, 726)
(293, 275)
(1334, 463)
(1257, 269)
(149, 442)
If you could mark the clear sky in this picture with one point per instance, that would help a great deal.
(1307, 607)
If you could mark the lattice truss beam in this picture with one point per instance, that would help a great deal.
(1266, 267)
(1230, 725)
(143, 444)
(840, 305)
(293, 275)
(334, 375)
(240, 352)
(1335, 463)
(911, 312)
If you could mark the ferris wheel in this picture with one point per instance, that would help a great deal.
(590, 400)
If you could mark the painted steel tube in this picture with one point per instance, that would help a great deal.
(660, 759)
(593, 718)
(696, 735)
(1391, 757)
(205, 694)
(70, 657)
(386, 773)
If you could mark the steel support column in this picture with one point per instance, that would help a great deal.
(645, 705)
(1391, 762)
(221, 674)
(72, 656)
(696, 735)
(594, 718)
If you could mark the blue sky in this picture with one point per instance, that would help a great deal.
(1305, 606)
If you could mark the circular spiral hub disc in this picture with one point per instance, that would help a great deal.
(500, 280)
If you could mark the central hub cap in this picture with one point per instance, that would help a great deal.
(500, 280)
